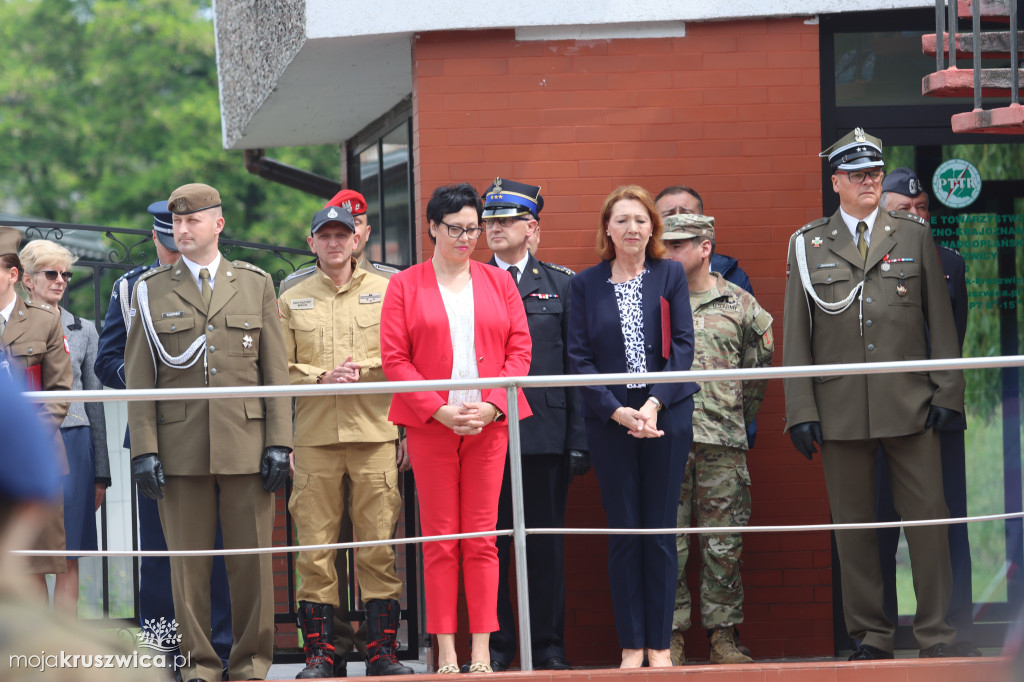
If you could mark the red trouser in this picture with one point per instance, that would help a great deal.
(458, 480)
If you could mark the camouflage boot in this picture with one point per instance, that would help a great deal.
(317, 624)
(723, 647)
(675, 648)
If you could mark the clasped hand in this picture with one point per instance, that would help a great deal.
(469, 419)
(642, 423)
(345, 373)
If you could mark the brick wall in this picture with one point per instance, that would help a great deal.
(731, 109)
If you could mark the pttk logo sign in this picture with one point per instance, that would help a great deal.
(956, 183)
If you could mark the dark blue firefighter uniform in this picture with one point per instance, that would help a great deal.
(954, 478)
(155, 572)
(546, 438)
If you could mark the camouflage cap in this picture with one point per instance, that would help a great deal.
(10, 240)
(688, 226)
(193, 198)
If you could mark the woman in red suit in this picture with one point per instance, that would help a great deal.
(456, 318)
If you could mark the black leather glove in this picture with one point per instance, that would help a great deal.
(579, 462)
(805, 436)
(940, 418)
(148, 474)
(274, 467)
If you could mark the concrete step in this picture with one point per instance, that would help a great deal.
(993, 44)
(960, 83)
(1007, 120)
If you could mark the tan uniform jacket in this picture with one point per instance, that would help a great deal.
(323, 325)
(35, 337)
(244, 348)
(904, 297)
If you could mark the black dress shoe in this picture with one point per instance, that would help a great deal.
(940, 650)
(966, 649)
(553, 663)
(866, 652)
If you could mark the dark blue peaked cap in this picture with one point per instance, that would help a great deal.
(508, 198)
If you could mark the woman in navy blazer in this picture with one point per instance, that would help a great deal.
(639, 434)
(450, 318)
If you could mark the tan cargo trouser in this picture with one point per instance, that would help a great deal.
(316, 506)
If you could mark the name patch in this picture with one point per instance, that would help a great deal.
(822, 266)
(176, 313)
(301, 304)
(371, 298)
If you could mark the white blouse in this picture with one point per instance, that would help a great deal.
(460, 321)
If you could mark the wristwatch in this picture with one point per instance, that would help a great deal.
(657, 403)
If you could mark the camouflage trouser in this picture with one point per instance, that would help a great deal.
(715, 492)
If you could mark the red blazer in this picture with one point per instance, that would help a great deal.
(416, 341)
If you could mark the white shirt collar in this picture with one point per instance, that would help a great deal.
(194, 268)
(851, 223)
(521, 264)
(6, 312)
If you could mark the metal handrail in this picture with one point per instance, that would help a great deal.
(511, 385)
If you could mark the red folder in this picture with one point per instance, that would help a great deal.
(666, 329)
(34, 377)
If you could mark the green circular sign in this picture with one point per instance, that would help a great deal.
(956, 183)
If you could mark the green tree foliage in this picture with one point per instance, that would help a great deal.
(108, 105)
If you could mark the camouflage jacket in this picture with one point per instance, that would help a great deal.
(731, 331)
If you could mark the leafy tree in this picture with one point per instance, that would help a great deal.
(109, 105)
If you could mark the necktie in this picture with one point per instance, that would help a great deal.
(3, 324)
(862, 242)
(204, 281)
(514, 271)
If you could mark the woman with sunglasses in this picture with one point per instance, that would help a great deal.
(32, 346)
(456, 318)
(84, 430)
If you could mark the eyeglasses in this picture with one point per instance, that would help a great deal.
(456, 231)
(52, 275)
(503, 222)
(857, 177)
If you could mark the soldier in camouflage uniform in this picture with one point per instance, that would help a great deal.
(730, 331)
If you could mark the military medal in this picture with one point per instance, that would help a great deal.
(247, 340)
(901, 288)
(886, 267)
(816, 242)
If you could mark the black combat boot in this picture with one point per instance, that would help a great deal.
(381, 639)
(317, 624)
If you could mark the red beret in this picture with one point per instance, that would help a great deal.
(350, 200)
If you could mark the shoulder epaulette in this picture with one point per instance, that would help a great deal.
(43, 306)
(384, 268)
(908, 216)
(810, 225)
(950, 249)
(301, 272)
(242, 265)
(560, 268)
(133, 272)
(152, 271)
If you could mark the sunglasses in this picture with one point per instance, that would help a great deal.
(52, 275)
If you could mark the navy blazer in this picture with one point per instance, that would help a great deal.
(597, 345)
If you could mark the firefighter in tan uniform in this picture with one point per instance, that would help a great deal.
(345, 638)
(32, 345)
(205, 321)
(331, 324)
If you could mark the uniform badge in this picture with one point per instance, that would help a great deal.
(301, 304)
(131, 312)
(371, 298)
(246, 341)
(332, 213)
(901, 289)
(67, 348)
(886, 267)
(816, 242)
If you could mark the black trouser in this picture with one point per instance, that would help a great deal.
(545, 492)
